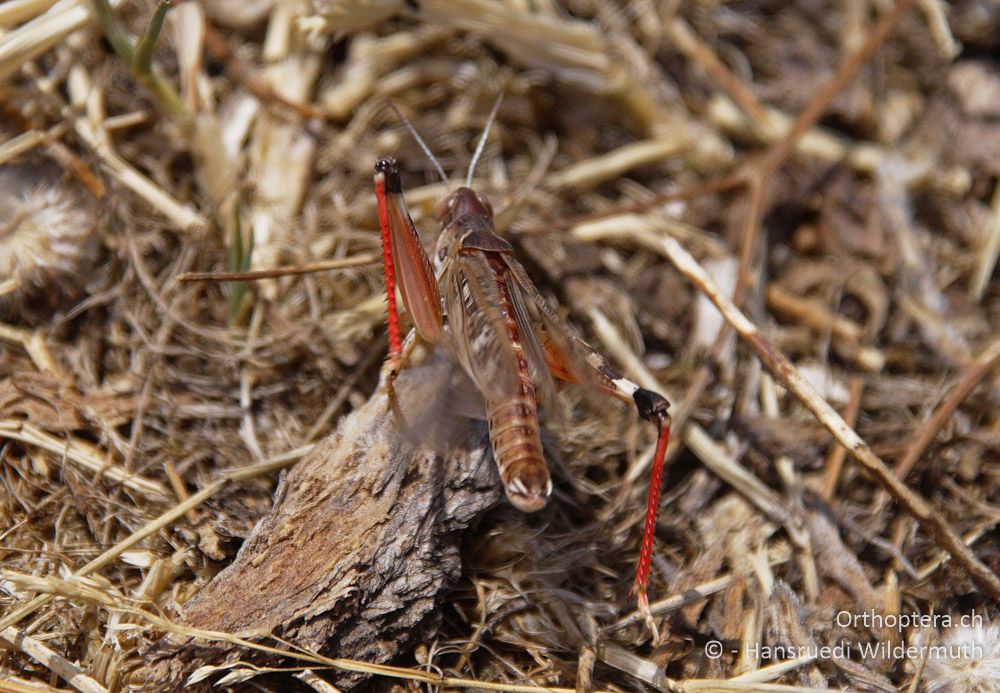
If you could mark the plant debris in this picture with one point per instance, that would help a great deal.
(784, 216)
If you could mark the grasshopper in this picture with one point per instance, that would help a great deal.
(476, 300)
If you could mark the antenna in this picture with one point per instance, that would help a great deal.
(482, 141)
(420, 141)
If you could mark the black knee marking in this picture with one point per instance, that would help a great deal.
(390, 169)
(652, 406)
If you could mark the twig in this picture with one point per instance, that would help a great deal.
(613, 164)
(816, 316)
(977, 371)
(688, 596)
(156, 525)
(220, 50)
(789, 376)
(935, 12)
(60, 666)
(685, 41)
(844, 76)
(83, 454)
(987, 260)
(308, 268)
(835, 460)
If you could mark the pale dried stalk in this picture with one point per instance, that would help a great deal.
(78, 590)
(773, 671)
(60, 666)
(816, 316)
(185, 218)
(936, 14)
(8, 286)
(15, 146)
(978, 370)
(42, 33)
(835, 459)
(824, 145)
(370, 58)
(638, 667)
(575, 50)
(778, 556)
(160, 574)
(598, 169)
(691, 236)
(788, 375)
(281, 151)
(316, 682)
(349, 16)
(33, 342)
(13, 12)
(652, 673)
(83, 454)
(156, 525)
(813, 314)
(987, 260)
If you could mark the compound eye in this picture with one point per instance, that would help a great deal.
(444, 207)
(485, 203)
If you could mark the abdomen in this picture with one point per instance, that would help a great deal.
(517, 448)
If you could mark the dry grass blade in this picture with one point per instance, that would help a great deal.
(180, 214)
(789, 376)
(824, 145)
(536, 39)
(980, 369)
(987, 262)
(613, 164)
(835, 460)
(688, 597)
(359, 261)
(32, 342)
(42, 32)
(83, 454)
(61, 667)
(833, 165)
(153, 527)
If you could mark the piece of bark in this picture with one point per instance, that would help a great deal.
(354, 559)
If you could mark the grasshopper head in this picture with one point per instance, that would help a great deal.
(464, 202)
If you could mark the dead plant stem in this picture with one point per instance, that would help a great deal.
(788, 375)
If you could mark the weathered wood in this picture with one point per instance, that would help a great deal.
(357, 553)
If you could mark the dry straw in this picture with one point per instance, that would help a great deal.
(641, 152)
